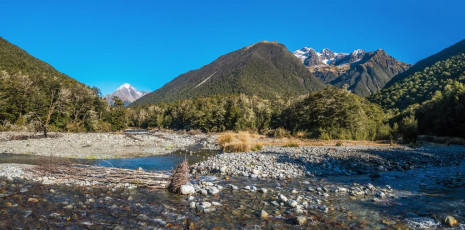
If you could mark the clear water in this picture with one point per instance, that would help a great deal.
(155, 163)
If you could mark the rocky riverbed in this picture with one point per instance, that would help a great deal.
(357, 187)
(102, 145)
(284, 162)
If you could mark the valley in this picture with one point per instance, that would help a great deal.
(232, 115)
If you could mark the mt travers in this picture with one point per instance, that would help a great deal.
(126, 93)
(269, 69)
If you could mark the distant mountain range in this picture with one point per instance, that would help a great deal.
(126, 93)
(361, 72)
(264, 69)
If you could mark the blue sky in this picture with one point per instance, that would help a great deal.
(106, 43)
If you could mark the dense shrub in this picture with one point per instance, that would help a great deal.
(336, 114)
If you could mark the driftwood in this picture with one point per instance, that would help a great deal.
(180, 176)
(132, 137)
(105, 176)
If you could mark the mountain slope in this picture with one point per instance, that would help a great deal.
(126, 93)
(265, 69)
(361, 72)
(420, 86)
(33, 92)
(453, 50)
(14, 60)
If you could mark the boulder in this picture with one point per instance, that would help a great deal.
(187, 189)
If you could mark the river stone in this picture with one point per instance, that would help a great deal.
(264, 214)
(233, 187)
(33, 200)
(213, 191)
(206, 204)
(209, 210)
(380, 194)
(214, 203)
(300, 220)
(291, 203)
(2, 195)
(451, 221)
(193, 204)
(142, 217)
(187, 189)
(282, 197)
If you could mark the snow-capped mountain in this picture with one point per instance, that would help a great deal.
(360, 71)
(325, 57)
(127, 93)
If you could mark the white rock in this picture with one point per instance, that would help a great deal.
(282, 198)
(193, 204)
(187, 189)
(291, 203)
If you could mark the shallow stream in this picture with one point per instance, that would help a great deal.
(421, 198)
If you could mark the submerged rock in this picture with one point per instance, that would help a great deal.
(451, 221)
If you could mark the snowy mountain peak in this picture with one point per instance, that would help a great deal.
(303, 53)
(357, 52)
(126, 86)
(326, 56)
(127, 93)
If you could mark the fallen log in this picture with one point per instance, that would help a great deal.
(104, 175)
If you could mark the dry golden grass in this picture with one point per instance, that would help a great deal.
(225, 138)
(301, 134)
(245, 142)
(292, 144)
(239, 142)
(237, 147)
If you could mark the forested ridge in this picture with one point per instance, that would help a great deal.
(422, 85)
(35, 96)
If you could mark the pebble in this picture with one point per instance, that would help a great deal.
(300, 220)
(193, 205)
(291, 203)
(282, 197)
(264, 214)
(214, 203)
(213, 191)
(33, 200)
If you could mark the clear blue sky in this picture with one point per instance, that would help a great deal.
(148, 43)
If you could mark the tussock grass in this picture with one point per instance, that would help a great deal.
(238, 142)
(301, 134)
(292, 145)
(225, 139)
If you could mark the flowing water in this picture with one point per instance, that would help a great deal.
(421, 198)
